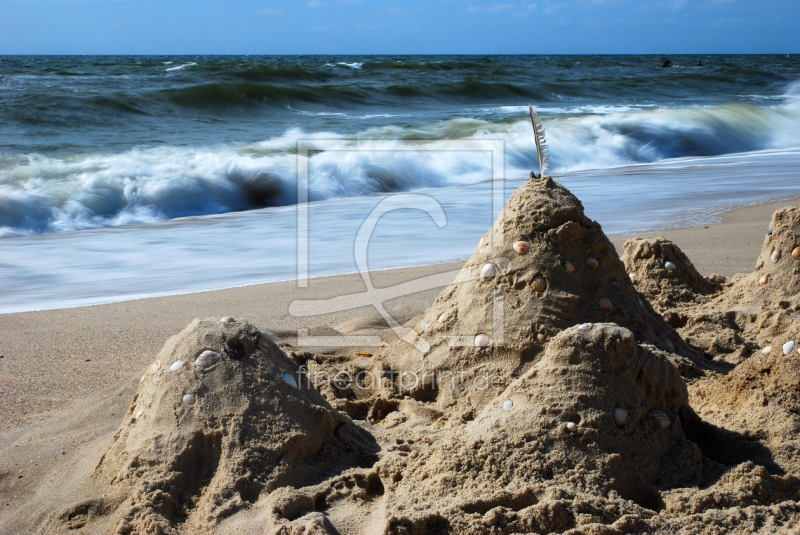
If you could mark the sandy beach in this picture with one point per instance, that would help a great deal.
(67, 376)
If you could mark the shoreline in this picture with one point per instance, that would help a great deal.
(51, 358)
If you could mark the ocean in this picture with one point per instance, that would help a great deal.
(124, 177)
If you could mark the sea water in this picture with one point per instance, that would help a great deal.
(128, 177)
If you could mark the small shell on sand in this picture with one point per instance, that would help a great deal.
(769, 231)
(796, 253)
(620, 416)
(569, 267)
(766, 350)
(776, 255)
(584, 326)
(189, 399)
(176, 365)
(539, 284)
(662, 418)
(571, 427)
(487, 272)
(484, 249)
(482, 340)
(263, 342)
(425, 325)
(154, 368)
(541, 338)
(207, 358)
(592, 263)
(508, 404)
(632, 276)
(138, 414)
(443, 317)
(762, 280)
(605, 303)
(226, 319)
(521, 247)
(788, 347)
(670, 266)
(289, 380)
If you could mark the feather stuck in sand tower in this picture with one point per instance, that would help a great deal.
(541, 148)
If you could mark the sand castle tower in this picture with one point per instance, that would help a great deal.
(597, 413)
(543, 267)
(220, 418)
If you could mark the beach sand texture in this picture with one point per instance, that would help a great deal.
(633, 392)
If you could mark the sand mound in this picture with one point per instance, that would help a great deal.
(543, 268)
(200, 443)
(597, 414)
(660, 270)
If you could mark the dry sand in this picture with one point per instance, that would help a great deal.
(67, 378)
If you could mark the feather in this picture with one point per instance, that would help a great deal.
(538, 136)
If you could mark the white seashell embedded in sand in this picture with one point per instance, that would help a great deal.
(766, 350)
(154, 368)
(592, 263)
(176, 365)
(189, 399)
(632, 276)
(508, 404)
(762, 280)
(569, 267)
(425, 325)
(776, 255)
(443, 317)
(487, 272)
(662, 418)
(584, 326)
(207, 358)
(138, 414)
(521, 247)
(620, 416)
(769, 231)
(482, 340)
(572, 427)
(226, 319)
(788, 347)
(263, 342)
(289, 380)
(670, 266)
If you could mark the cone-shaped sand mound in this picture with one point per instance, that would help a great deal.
(217, 421)
(543, 268)
(597, 410)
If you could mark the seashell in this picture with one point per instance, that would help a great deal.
(443, 317)
(796, 253)
(508, 404)
(568, 266)
(521, 247)
(484, 249)
(620, 416)
(487, 272)
(263, 343)
(592, 263)
(482, 340)
(788, 347)
(207, 358)
(632, 276)
(766, 350)
(425, 325)
(289, 380)
(154, 368)
(539, 284)
(541, 338)
(571, 427)
(639, 300)
(226, 319)
(138, 414)
(662, 418)
(769, 231)
(605, 303)
(776, 255)
(189, 399)
(670, 266)
(762, 280)
(584, 326)
(176, 365)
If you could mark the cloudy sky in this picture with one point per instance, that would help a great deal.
(398, 26)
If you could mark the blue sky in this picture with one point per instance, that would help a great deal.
(402, 27)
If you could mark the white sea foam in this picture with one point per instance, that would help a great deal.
(179, 67)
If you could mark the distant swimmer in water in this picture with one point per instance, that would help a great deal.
(699, 63)
(667, 63)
